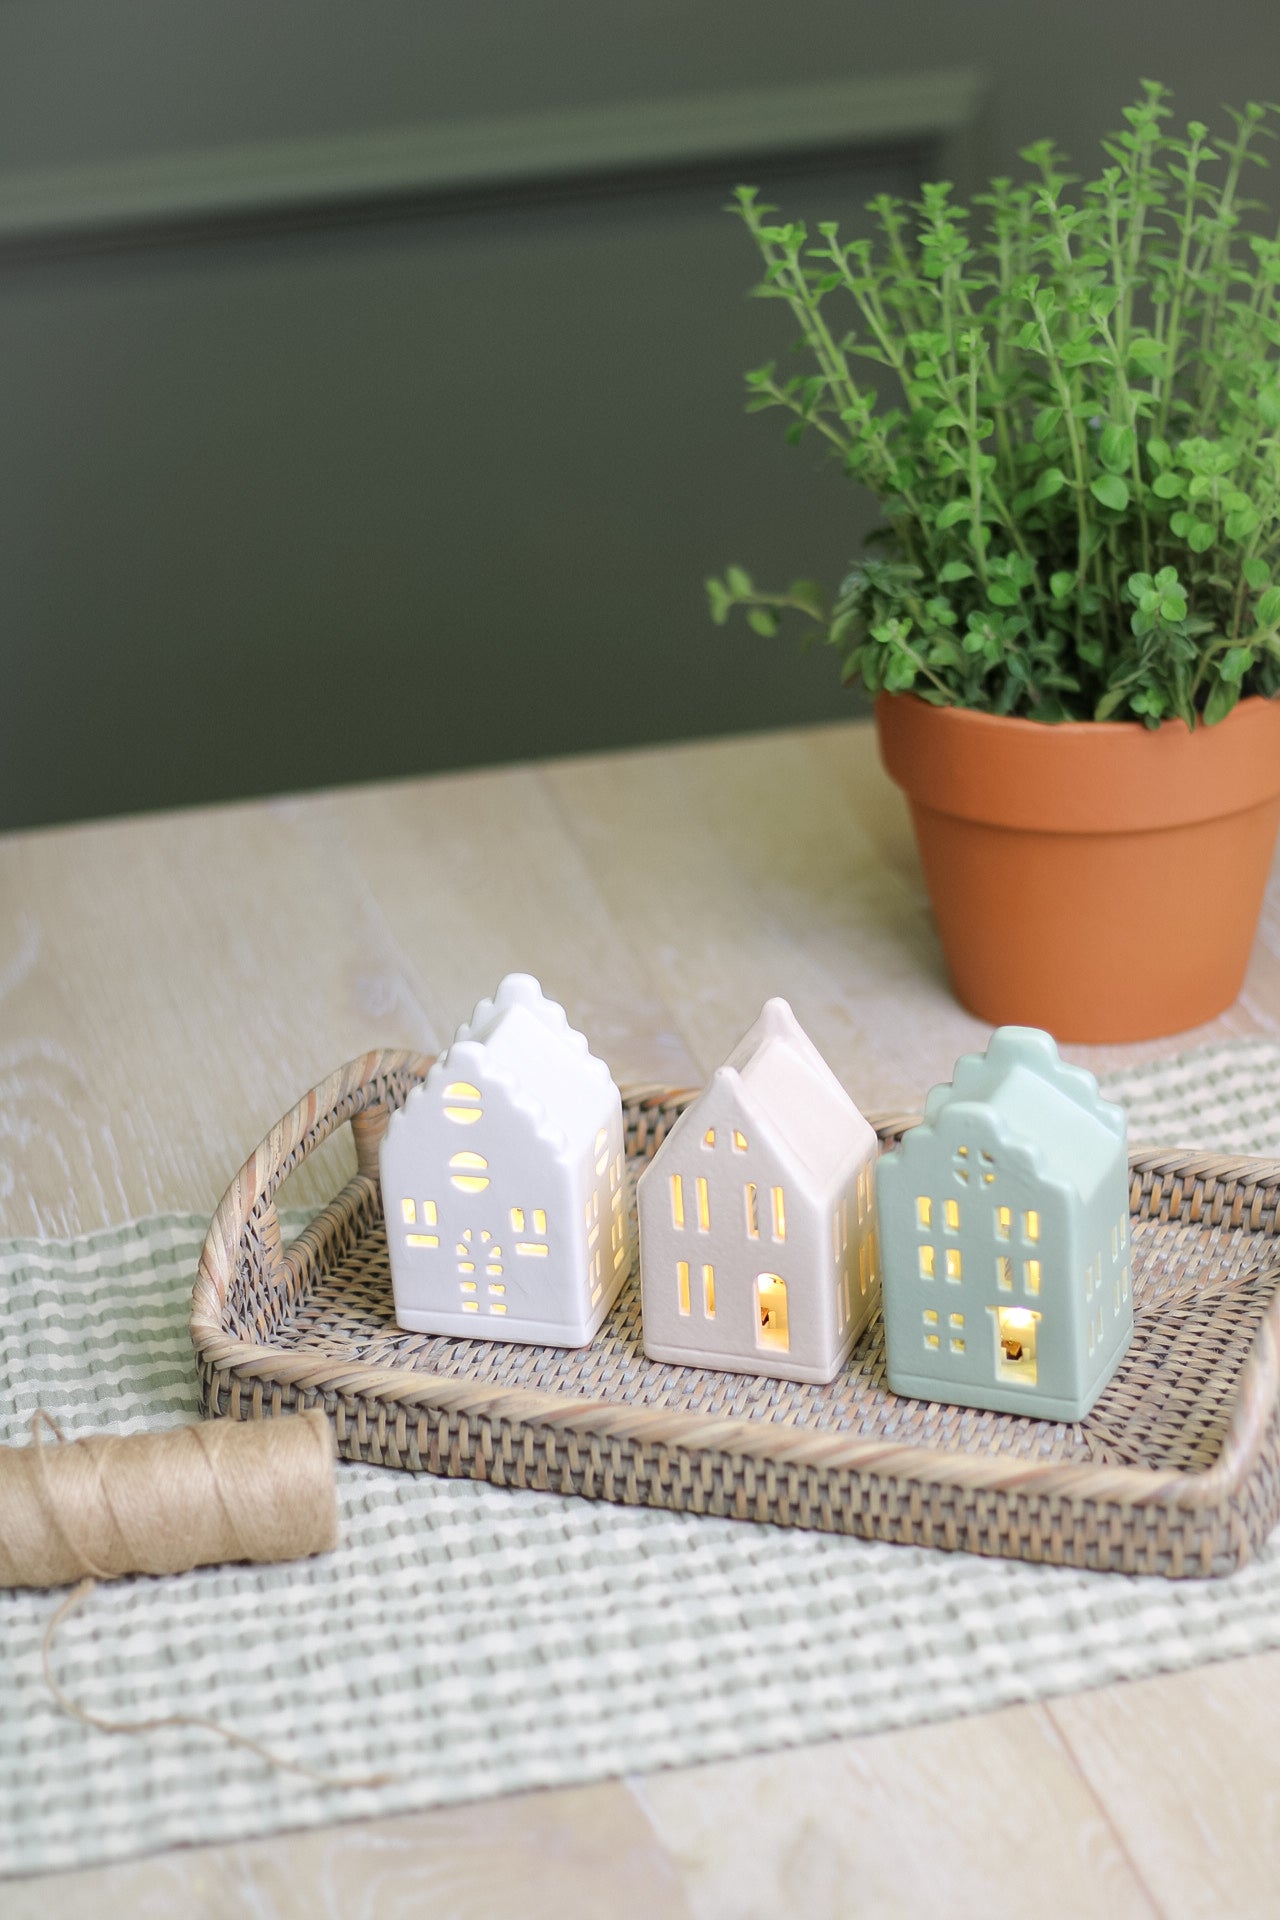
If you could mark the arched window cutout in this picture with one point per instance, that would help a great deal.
(469, 1172)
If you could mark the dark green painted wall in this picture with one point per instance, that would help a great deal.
(286, 508)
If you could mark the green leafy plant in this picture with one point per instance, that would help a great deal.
(1080, 474)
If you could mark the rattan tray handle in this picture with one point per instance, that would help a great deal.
(362, 1093)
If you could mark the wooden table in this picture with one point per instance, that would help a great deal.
(170, 985)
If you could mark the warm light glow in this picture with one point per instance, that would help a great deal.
(469, 1172)
(468, 1286)
(753, 1211)
(957, 1321)
(957, 1345)
(954, 1267)
(709, 1292)
(739, 1141)
(682, 1283)
(538, 1248)
(422, 1239)
(924, 1210)
(779, 1214)
(1004, 1222)
(619, 1257)
(1031, 1224)
(926, 1263)
(951, 1213)
(408, 1213)
(539, 1220)
(1033, 1276)
(466, 1266)
(1004, 1273)
(462, 1090)
(773, 1331)
(931, 1340)
(677, 1200)
(1017, 1333)
(429, 1213)
(709, 1137)
(704, 1207)
(931, 1316)
(517, 1219)
(471, 1306)
(497, 1306)
(497, 1286)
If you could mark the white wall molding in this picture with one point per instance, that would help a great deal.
(308, 179)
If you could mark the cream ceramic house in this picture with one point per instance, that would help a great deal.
(757, 1216)
(503, 1181)
(1005, 1225)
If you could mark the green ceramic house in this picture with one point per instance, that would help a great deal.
(1004, 1220)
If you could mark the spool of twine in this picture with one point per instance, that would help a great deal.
(165, 1502)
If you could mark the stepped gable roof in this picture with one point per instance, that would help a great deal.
(522, 1042)
(1052, 1110)
(784, 1087)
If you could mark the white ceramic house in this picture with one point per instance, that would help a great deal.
(1004, 1221)
(503, 1181)
(757, 1216)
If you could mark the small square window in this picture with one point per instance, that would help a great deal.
(957, 1322)
(957, 1346)
(930, 1317)
(931, 1341)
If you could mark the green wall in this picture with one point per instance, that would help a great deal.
(364, 484)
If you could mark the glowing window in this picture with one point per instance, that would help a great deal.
(957, 1322)
(497, 1306)
(1016, 1339)
(779, 1214)
(469, 1172)
(709, 1137)
(954, 1268)
(408, 1213)
(739, 1141)
(539, 1220)
(924, 1210)
(1004, 1222)
(1031, 1224)
(536, 1248)
(517, 1219)
(709, 1292)
(1004, 1273)
(773, 1332)
(753, 1210)
(1033, 1276)
(497, 1286)
(926, 1263)
(422, 1239)
(957, 1344)
(468, 1286)
(682, 1285)
(704, 1207)
(429, 1214)
(930, 1317)
(677, 1200)
(471, 1306)
(457, 1092)
(951, 1213)
(931, 1340)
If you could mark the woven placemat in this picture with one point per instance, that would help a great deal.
(476, 1641)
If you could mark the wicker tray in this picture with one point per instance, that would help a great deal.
(1176, 1471)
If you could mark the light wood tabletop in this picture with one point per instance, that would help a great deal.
(170, 985)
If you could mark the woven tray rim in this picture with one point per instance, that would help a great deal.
(349, 1094)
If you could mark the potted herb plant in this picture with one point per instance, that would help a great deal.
(1071, 614)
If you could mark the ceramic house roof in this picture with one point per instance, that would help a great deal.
(1052, 1110)
(786, 1091)
(522, 1042)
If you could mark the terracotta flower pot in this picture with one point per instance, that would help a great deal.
(1101, 880)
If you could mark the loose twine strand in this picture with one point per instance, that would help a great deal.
(164, 1503)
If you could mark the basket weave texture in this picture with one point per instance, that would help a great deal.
(1176, 1471)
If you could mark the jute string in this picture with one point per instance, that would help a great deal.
(109, 1504)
